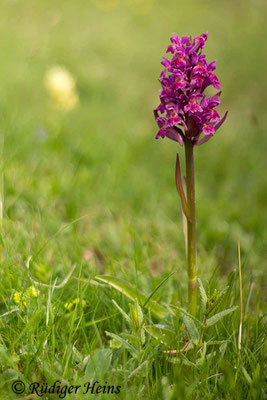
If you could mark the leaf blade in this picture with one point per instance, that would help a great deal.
(157, 288)
(162, 333)
(191, 328)
(203, 295)
(217, 317)
(133, 293)
(123, 342)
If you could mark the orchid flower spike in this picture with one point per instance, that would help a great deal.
(184, 110)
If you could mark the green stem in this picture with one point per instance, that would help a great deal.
(1, 182)
(202, 329)
(180, 190)
(191, 228)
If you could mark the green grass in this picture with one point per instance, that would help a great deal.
(94, 180)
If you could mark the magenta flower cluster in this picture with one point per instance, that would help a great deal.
(184, 110)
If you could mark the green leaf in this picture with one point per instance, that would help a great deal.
(141, 370)
(203, 294)
(142, 336)
(96, 321)
(122, 312)
(191, 328)
(136, 315)
(247, 376)
(132, 339)
(217, 317)
(162, 333)
(150, 349)
(231, 278)
(157, 288)
(2, 241)
(184, 312)
(114, 344)
(215, 300)
(123, 342)
(98, 363)
(133, 293)
(10, 374)
(217, 342)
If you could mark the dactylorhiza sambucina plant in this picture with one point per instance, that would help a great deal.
(187, 116)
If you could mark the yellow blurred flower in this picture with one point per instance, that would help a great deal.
(140, 7)
(61, 87)
(18, 299)
(71, 305)
(106, 4)
(23, 299)
(32, 292)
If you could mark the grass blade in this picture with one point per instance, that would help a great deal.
(133, 293)
(157, 288)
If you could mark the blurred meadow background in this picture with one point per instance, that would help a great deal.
(84, 182)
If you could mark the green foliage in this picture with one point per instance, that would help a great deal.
(162, 333)
(203, 295)
(98, 364)
(191, 328)
(217, 317)
(133, 293)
